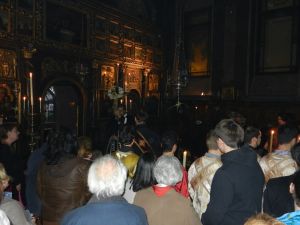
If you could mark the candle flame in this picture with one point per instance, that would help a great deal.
(24, 98)
(272, 132)
(40, 99)
(30, 75)
(130, 101)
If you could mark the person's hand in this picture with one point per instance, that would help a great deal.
(18, 187)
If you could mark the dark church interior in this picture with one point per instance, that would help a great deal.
(187, 64)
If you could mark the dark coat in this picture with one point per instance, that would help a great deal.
(62, 187)
(236, 190)
(277, 198)
(11, 163)
(114, 210)
(151, 137)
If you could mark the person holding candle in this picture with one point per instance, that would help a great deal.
(237, 186)
(169, 147)
(201, 174)
(279, 162)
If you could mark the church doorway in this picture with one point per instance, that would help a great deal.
(64, 105)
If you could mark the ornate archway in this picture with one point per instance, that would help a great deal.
(65, 104)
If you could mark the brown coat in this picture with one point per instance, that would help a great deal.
(62, 187)
(170, 209)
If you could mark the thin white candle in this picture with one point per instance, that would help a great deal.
(24, 104)
(31, 92)
(184, 159)
(40, 100)
(130, 104)
(271, 140)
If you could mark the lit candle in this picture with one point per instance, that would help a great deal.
(130, 104)
(271, 140)
(40, 101)
(184, 159)
(24, 104)
(31, 92)
(121, 101)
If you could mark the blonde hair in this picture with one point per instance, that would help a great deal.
(262, 219)
(3, 174)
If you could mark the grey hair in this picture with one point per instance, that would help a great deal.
(167, 170)
(106, 177)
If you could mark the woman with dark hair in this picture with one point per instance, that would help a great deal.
(9, 134)
(143, 177)
(62, 178)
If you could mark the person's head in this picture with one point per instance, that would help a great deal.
(119, 112)
(295, 152)
(106, 177)
(237, 117)
(143, 176)
(141, 117)
(167, 170)
(211, 140)
(285, 118)
(287, 135)
(262, 219)
(252, 136)
(295, 189)
(60, 144)
(85, 148)
(9, 133)
(169, 142)
(127, 135)
(230, 135)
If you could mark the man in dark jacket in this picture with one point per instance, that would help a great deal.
(146, 136)
(237, 186)
(277, 198)
(106, 180)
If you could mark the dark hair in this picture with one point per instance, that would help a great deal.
(211, 140)
(296, 182)
(60, 144)
(168, 140)
(250, 132)
(231, 133)
(286, 133)
(5, 128)
(143, 176)
(127, 135)
(141, 116)
(295, 152)
(288, 118)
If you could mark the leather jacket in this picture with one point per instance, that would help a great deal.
(62, 187)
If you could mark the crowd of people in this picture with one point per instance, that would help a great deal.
(139, 180)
